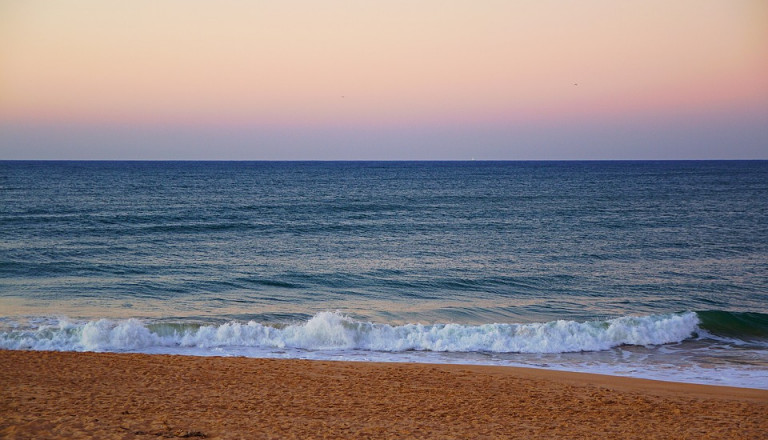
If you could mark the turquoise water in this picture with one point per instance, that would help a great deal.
(650, 269)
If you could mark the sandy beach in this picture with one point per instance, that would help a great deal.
(124, 396)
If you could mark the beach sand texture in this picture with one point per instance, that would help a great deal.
(136, 396)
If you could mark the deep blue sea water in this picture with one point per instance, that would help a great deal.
(647, 269)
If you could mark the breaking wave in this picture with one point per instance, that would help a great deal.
(334, 330)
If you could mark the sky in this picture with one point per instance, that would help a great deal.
(383, 80)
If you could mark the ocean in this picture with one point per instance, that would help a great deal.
(644, 269)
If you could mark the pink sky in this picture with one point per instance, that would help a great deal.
(394, 65)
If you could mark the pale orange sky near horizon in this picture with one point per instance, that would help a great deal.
(361, 64)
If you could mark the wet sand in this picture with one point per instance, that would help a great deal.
(133, 396)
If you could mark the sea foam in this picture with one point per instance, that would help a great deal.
(336, 331)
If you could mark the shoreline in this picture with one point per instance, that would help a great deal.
(117, 395)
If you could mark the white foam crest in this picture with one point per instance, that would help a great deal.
(62, 335)
(326, 330)
(333, 330)
(101, 335)
(131, 334)
(552, 337)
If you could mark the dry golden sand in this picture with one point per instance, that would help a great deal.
(89, 395)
